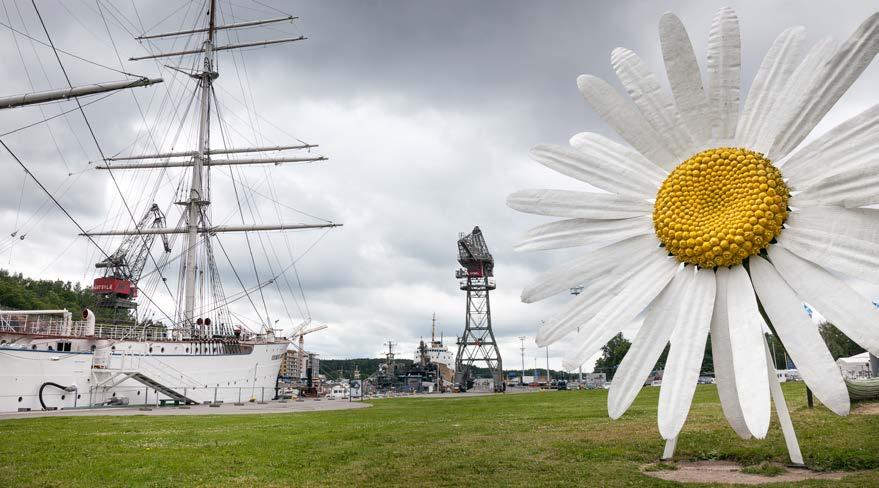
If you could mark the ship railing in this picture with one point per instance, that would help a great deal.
(129, 332)
(59, 323)
(41, 322)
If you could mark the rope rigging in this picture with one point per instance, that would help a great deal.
(61, 207)
(91, 130)
(169, 114)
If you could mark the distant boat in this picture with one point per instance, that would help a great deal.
(436, 350)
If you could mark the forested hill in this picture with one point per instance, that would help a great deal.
(333, 368)
(18, 292)
(367, 366)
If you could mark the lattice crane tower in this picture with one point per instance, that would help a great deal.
(477, 344)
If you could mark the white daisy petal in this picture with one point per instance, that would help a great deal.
(605, 164)
(851, 313)
(844, 148)
(724, 74)
(854, 223)
(836, 238)
(592, 299)
(656, 106)
(833, 251)
(746, 344)
(625, 119)
(854, 188)
(589, 302)
(721, 356)
(590, 266)
(591, 234)
(685, 356)
(648, 344)
(621, 310)
(629, 160)
(780, 61)
(800, 336)
(578, 204)
(685, 79)
(794, 91)
(830, 83)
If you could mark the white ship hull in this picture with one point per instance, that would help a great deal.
(439, 354)
(188, 367)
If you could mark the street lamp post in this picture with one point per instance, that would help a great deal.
(576, 291)
(547, 367)
(535, 369)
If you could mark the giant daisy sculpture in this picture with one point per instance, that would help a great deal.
(714, 218)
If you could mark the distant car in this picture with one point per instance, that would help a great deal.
(656, 383)
(706, 380)
(562, 385)
(288, 393)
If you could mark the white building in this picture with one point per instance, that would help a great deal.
(855, 367)
(340, 390)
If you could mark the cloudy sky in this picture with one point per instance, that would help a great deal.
(426, 111)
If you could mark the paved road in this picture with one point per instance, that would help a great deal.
(291, 406)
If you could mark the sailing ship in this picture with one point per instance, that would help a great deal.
(52, 359)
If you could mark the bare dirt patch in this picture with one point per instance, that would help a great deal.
(866, 409)
(731, 473)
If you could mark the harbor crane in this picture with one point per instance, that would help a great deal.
(477, 344)
(117, 288)
(299, 332)
(305, 328)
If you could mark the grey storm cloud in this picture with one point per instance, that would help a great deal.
(426, 111)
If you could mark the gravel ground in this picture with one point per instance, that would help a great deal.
(290, 406)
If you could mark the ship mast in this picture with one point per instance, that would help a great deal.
(195, 227)
(196, 191)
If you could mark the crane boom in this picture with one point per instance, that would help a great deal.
(118, 287)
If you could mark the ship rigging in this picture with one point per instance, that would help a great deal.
(203, 350)
(196, 225)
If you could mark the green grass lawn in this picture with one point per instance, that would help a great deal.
(538, 439)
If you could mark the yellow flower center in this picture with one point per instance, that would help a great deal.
(720, 206)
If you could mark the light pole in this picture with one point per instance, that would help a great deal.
(576, 291)
(547, 367)
(522, 349)
(535, 369)
(774, 356)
